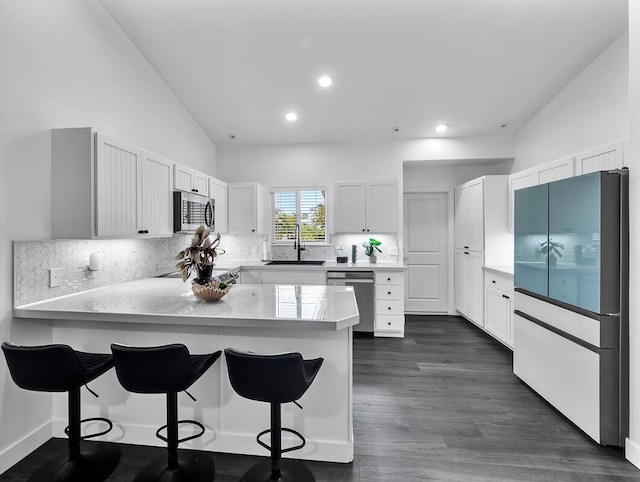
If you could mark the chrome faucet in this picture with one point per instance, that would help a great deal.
(296, 242)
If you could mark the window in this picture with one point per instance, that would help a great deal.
(303, 206)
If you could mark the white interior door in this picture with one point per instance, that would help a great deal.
(425, 252)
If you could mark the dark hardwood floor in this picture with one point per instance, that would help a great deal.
(442, 404)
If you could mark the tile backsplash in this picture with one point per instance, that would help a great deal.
(123, 259)
(127, 259)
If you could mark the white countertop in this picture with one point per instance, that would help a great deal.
(330, 265)
(170, 301)
(500, 270)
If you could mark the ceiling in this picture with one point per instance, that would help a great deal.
(239, 66)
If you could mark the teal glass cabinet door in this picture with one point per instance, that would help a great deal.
(530, 235)
(574, 241)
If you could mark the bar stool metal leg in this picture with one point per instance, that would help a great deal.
(85, 462)
(277, 468)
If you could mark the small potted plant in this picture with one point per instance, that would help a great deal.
(551, 248)
(201, 256)
(370, 248)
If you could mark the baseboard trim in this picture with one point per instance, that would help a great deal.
(23, 447)
(226, 442)
(632, 452)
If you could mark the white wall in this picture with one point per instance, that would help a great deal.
(591, 111)
(67, 64)
(309, 164)
(632, 451)
(445, 178)
(323, 164)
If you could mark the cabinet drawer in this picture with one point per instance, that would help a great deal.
(389, 278)
(390, 307)
(389, 292)
(389, 323)
(498, 282)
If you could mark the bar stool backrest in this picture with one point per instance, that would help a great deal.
(267, 378)
(45, 368)
(157, 369)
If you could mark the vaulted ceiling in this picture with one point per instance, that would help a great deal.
(239, 66)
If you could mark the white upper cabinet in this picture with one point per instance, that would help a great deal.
(156, 195)
(555, 170)
(247, 208)
(370, 207)
(118, 180)
(382, 207)
(190, 180)
(469, 215)
(218, 193)
(350, 207)
(603, 158)
(104, 188)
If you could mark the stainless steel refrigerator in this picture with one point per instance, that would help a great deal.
(571, 271)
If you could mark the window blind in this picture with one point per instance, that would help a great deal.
(303, 206)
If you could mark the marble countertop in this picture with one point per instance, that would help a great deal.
(330, 265)
(170, 301)
(500, 270)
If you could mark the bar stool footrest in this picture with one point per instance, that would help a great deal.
(93, 435)
(290, 430)
(191, 437)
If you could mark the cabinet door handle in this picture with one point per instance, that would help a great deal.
(363, 230)
(388, 307)
(466, 252)
(388, 292)
(389, 323)
(505, 296)
(466, 247)
(388, 279)
(493, 281)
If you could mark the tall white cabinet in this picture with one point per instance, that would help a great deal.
(481, 237)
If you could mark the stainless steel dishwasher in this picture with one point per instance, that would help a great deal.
(363, 285)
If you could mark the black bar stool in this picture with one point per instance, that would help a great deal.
(275, 379)
(167, 369)
(59, 368)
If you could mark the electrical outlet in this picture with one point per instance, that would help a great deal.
(55, 277)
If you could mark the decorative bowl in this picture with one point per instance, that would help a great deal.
(209, 293)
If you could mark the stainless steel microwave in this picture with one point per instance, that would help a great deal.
(192, 210)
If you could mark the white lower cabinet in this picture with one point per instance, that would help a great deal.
(469, 285)
(293, 277)
(498, 306)
(389, 304)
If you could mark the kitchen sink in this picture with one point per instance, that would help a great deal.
(293, 262)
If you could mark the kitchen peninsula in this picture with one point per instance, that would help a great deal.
(313, 320)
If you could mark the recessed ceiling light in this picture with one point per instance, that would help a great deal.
(442, 128)
(395, 129)
(232, 137)
(325, 81)
(291, 116)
